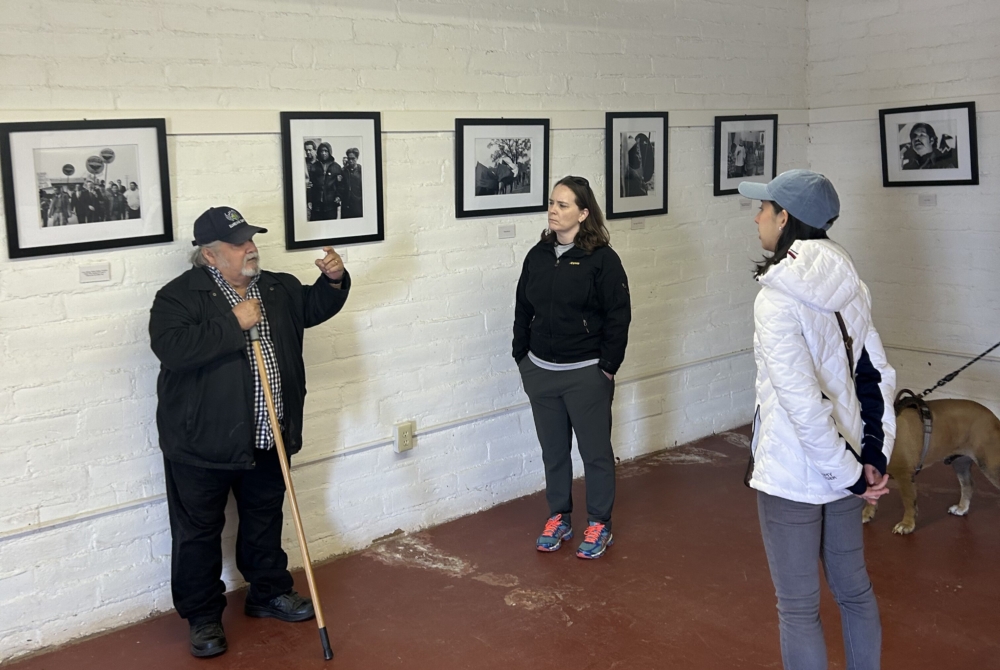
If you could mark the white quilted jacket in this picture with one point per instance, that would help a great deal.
(814, 425)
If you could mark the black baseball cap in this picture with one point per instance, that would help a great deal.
(223, 224)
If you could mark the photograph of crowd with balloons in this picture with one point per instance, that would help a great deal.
(60, 178)
(87, 185)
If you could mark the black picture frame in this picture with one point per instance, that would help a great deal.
(508, 184)
(46, 214)
(760, 158)
(325, 205)
(635, 169)
(918, 158)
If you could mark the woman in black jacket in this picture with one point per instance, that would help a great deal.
(571, 321)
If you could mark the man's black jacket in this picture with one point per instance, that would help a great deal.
(572, 308)
(205, 414)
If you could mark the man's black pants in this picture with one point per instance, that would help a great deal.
(564, 402)
(196, 500)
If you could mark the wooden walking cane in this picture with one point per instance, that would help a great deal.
(286, 473)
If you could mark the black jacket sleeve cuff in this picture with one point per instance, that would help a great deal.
(876, 458)
(859, 486)
(344, 281)
(608, 366)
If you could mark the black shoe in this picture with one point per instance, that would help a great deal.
(208, 639)
(286, 607)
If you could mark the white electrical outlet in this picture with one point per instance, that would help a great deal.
(403, 437)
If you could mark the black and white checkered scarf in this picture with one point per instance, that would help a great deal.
(265, 438)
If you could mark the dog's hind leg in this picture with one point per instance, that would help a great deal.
(988, 451)
(963, 468)
(908, 492)
(868, 513)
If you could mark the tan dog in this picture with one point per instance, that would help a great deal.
(964, 433)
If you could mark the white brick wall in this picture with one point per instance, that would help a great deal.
(426, 334)
(933, 271)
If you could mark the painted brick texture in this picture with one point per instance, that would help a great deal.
(933, 271)
(70, 54)
(426, 333)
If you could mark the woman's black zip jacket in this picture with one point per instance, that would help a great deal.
(572, 308)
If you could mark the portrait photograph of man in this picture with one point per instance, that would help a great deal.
(924, 148)
(929, 145)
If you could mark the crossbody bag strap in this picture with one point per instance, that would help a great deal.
(848, 344)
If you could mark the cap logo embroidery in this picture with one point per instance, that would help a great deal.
(234, 217)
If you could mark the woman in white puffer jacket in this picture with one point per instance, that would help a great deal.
(824, 424)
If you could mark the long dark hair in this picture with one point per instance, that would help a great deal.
(794, 230)
(593, 233)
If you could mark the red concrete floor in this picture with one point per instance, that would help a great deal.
(685, 586)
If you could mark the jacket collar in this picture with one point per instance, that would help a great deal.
(819, 273)
(574, 252)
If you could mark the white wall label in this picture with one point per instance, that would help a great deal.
(96, 272)
(927, 200)
(638, 224)
(506, 231)
(745, 203)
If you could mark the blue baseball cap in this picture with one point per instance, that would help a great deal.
(225, 224)
(806, 195)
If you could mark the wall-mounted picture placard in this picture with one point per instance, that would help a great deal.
(501, 166)
(932, 145)
(332, 163)
(635, 164)
(746, 149)
(73, 186)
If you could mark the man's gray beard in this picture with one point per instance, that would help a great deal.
(250, 272)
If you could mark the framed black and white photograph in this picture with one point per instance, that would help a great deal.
(501, 166)
(635, 164)
(333, 178)
(932, 145)
(73, 186)
(746, 149)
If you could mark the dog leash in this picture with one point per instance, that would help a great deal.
(907, 398)
(947, 378)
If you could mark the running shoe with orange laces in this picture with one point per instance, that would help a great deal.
(596, 539)
(556, 530)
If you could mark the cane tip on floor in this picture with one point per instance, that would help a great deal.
(325, 639)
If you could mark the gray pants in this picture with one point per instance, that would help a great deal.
(564, 402)
(797, 536)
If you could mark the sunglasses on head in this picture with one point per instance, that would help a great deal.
(582, 181)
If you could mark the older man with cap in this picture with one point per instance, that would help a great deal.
(213, 422)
